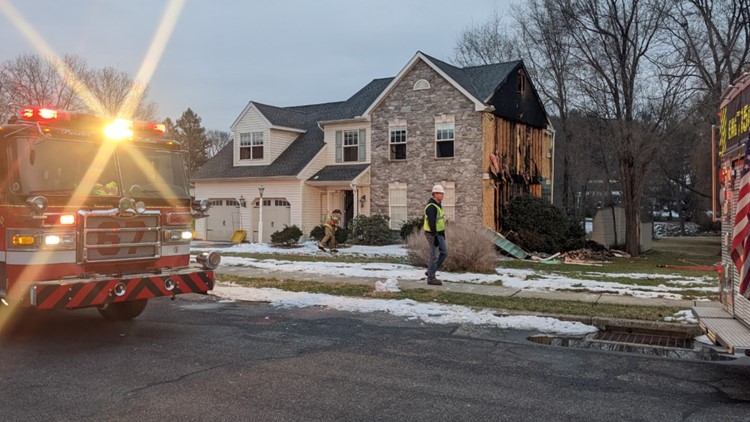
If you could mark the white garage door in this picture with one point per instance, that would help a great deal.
(223, 219)
(277, 212)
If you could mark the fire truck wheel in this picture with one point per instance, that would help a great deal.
(123, 311)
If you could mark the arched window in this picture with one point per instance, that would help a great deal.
(421, 84)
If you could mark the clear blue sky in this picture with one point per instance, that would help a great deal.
(224, 53)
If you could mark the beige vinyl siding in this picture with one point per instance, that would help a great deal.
(311, 209)
(310, 194)
(280, 140)
(252, 121)
(330, 139)
(285, 188)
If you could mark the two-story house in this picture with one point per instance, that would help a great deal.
(481, 132)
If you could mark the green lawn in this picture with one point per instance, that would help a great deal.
(667, 251)
(533, 305)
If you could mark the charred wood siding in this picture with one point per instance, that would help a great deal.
(517, 161)
(517, 100)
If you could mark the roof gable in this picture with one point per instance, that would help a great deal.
(477, 83)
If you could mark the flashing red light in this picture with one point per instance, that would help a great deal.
(42, 114)
(159, 128)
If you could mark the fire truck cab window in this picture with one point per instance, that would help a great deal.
(58, 167)
(158, 173)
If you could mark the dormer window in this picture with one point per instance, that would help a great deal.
(251, 146)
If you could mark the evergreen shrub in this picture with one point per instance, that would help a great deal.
(289, 235)
(410, 226)
(536, 225)
(372, 230)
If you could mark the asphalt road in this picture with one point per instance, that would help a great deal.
(196, 359)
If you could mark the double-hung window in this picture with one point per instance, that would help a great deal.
(251, 146)
(351, 145)
(444, 140)
(449, 200)
(398, 143)
(397, 204)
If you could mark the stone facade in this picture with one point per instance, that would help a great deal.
(421, 169)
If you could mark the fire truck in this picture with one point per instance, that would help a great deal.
(95, 212)
(728, 324)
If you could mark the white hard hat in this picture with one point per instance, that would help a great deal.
(438, 189)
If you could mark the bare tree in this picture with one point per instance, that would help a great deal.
(217, 139)
(546, 43)
(712, 39)
(34, 80)
(486, 43)
(616, 43)
(113, 91)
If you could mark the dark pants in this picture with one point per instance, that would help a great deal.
(436, 259)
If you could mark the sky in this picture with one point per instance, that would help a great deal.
(223, 54)
(390, 275)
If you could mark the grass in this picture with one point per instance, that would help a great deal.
(547, 306)
(668, 251)
(322, 257)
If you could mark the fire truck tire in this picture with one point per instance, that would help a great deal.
(123, 311)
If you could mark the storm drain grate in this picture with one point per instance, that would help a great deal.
(646, 339)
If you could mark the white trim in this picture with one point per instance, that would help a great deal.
(247, 108)
(478, 105)
(288, 129)
(40, 257)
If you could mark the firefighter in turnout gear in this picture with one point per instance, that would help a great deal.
(434, 231)
(331, 226)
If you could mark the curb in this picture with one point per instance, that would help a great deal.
(657, 328)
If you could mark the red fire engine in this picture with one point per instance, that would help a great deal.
(95, 213)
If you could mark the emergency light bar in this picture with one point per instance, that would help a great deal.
(115, 129)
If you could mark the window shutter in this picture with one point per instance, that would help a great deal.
(339, 147)
(362, 145)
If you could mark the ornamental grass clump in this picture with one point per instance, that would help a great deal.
(469, 249)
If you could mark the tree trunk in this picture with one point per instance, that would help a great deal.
(630, 182)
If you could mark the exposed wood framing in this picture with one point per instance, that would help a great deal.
(522, 158)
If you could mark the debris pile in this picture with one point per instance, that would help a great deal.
(588, 255)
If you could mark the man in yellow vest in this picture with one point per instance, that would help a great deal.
(330, 227)
(434, 231)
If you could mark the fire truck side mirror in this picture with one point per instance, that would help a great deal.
(201, 205)
(38, 204)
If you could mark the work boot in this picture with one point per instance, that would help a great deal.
(334, 250)
(321, 247)
(435, 282)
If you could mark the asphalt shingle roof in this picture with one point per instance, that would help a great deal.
(339, 173)
(479, 81)
(304, 148)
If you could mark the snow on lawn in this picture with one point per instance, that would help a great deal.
(427, 312)
(518, 279)
(669, 288)
(305, 248)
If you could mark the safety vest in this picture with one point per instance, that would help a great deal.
(439, 221)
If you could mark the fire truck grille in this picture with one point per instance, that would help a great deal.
(109, 238)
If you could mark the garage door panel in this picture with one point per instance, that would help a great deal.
(223, 219)
(277, 212)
